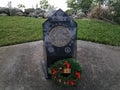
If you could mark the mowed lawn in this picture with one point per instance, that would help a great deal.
(99, 31)
(15, 30)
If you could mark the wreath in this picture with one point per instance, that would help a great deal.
(66, 72)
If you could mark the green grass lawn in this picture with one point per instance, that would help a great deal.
(14, 30)
(99, 31)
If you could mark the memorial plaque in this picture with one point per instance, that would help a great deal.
(60, 36)
(59, 32)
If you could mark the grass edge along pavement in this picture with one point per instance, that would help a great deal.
(16, 30)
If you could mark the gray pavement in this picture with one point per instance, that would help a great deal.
(20, 67)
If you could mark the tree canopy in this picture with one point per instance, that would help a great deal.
(21, 6)
(85, 6)
(44, 5)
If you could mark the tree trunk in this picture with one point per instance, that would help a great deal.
(99, 8)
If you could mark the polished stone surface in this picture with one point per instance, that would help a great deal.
(21, 69)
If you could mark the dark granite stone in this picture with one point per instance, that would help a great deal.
(60, 32)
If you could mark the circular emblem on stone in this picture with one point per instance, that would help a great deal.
(67, 50)
(51, 50)
(60, 36)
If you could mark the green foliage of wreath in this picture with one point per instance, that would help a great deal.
(62, 79)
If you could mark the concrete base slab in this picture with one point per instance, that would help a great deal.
(21, 69)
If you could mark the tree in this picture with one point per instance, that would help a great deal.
(51, 7)
(69, 12)
(113, 8)
(74, 4)
(100, 2)
(116, 10)
(9, 4)
(83, 5)
(44, 5)
(36, 5)
(21, 6)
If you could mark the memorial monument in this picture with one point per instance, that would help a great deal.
(59, 32)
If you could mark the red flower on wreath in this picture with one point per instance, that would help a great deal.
(72, 83)
(55, 77)
(54, 71)
(66, 83)
(77, 74)
(67, 64)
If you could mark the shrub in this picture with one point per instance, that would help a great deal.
(116, 16)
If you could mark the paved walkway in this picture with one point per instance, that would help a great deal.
(20, 67)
